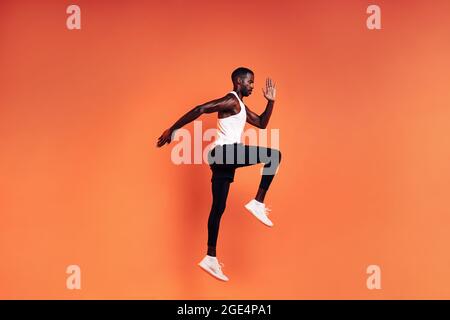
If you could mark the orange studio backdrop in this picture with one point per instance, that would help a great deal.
(364, 124)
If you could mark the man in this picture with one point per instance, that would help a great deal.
(229, 153)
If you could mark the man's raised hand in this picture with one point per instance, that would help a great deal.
(270, 91)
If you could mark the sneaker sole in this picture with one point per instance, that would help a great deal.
(211, 274)
(251, 211)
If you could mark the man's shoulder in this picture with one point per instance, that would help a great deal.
(230, 98)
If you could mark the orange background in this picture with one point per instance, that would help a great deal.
(364, 123)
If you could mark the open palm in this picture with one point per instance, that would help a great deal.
(270, 91)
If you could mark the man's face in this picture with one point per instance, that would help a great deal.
(247, 84)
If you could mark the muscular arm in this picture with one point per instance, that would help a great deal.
(222, 104)
(225, 103)
(261, 120)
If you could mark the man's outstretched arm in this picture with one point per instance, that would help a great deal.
(262, 120)
(223, 104)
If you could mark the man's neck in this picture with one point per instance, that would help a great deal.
(239, 93)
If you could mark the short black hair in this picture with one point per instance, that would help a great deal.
(239, 73)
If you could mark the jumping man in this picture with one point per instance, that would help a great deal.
(229, 153)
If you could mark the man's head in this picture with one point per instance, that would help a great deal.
(243, 79)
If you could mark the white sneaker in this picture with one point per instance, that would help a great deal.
(213, 267)
(260, 211)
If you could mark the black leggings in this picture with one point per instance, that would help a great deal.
(220, 190)
(223, 161)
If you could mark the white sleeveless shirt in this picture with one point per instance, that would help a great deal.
(229, 129)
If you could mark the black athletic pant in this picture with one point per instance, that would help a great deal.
(223, 162)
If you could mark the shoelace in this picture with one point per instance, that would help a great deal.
(266, 211)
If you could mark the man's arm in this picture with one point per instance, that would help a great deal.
(225, 103)
(262, 120)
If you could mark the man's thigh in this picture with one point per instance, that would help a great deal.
(249, 155)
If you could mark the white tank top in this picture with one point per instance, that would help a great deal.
(229, 129)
